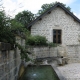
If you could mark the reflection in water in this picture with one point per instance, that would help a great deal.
(34, 75)
(39, 73)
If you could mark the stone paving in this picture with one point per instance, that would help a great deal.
(70, 71)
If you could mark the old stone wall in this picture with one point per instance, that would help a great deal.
(42, 52)
(9, 62)
(69, 52)
(73, 53)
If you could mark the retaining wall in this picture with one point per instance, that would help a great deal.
(9, 62)
(71, 52)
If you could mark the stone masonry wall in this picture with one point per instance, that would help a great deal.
(41, 52)
(9, 63)
(71, 52)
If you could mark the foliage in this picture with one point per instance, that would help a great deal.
(37, 40)
(8, 28)
(24, 17)
(18, 28)
(15, 25)
(51, 44)
(45, 7)
(5, 32)
(24, 53)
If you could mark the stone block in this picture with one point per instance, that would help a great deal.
(2, 70)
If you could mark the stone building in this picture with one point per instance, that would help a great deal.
(61, 26)
(58, 25)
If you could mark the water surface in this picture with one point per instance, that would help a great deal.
(41, 72)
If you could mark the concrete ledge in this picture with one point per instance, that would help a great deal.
(60, 76)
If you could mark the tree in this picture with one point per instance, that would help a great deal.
(45, 7)
(5, 32)
(24, 17)
(18, 28)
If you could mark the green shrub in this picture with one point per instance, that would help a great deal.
(31, 40)
(51, 44)
(23, 52)
(37, 40)
(5, 31)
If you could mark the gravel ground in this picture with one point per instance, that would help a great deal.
(70, 71)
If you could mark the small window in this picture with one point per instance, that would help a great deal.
(57, 36)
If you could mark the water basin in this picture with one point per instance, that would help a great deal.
(41, 72)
